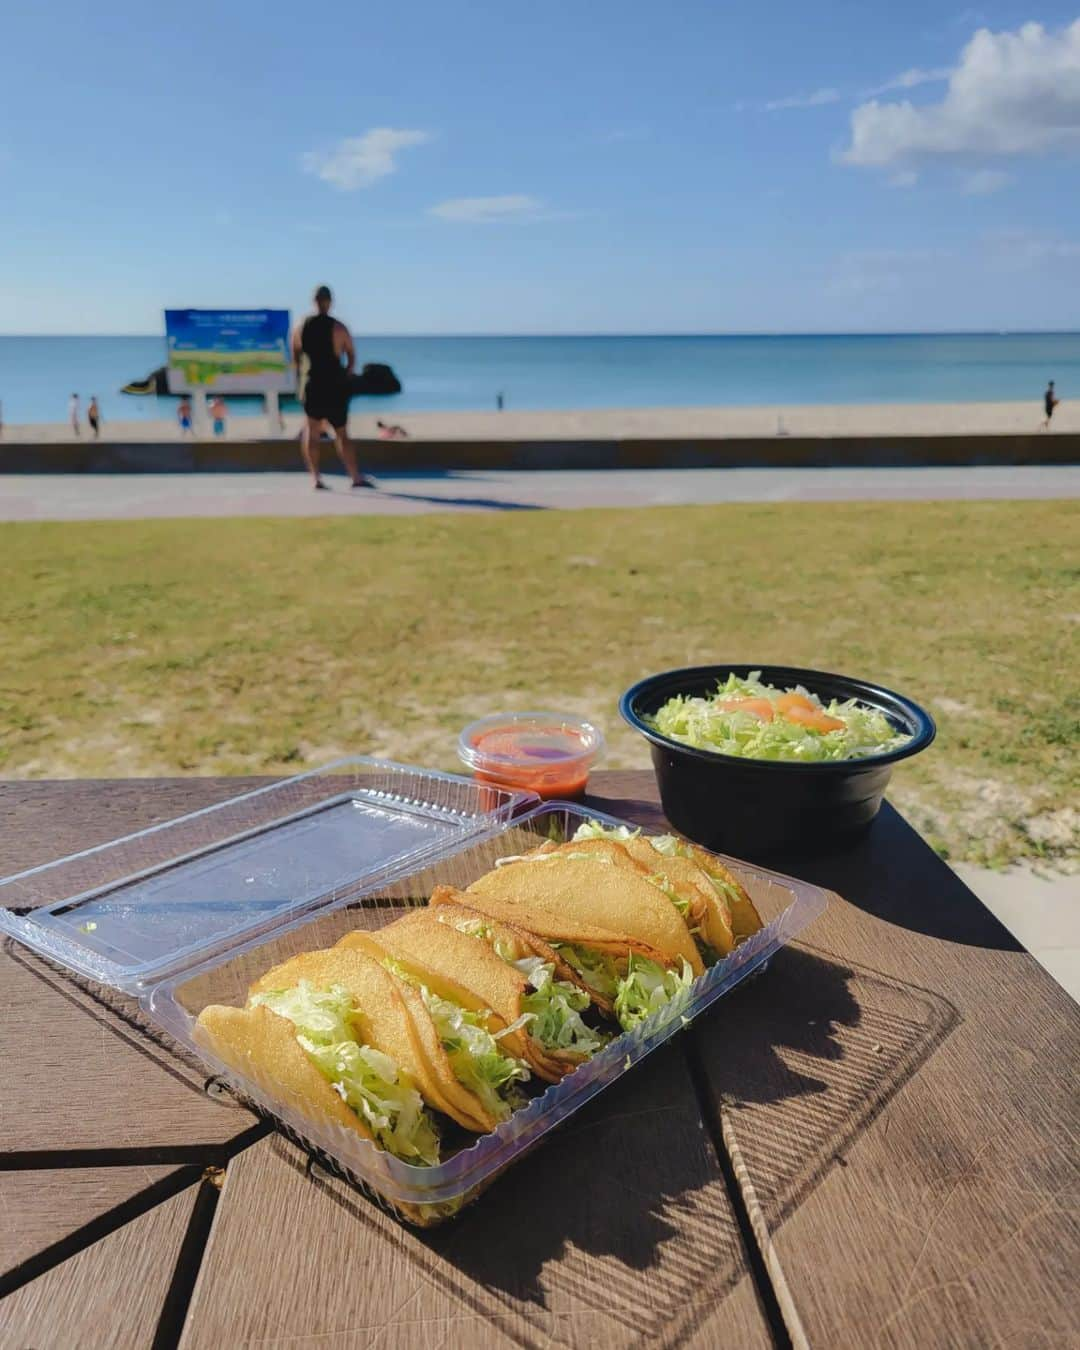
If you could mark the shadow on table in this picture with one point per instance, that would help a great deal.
(800, 1064)
(891, 872)
(888, 871)
(621, 1218)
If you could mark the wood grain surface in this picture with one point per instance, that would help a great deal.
(49, 1213)
(894, 1103)
(41, 821)
(618, 1231)
(900, 1102)
(77, 1078)
(110, 1296)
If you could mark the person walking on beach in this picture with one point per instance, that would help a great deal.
(183, 416)
(324, 356)
(93, 416)
(73, 415)
(1050, 402)
(219, 412)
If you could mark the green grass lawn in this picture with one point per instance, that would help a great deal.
(210, 646)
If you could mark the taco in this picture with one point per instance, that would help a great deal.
(693, 893)
(332, 1034)
(466, 1031)
(745, 920)
(625, 940)
(540, 1013)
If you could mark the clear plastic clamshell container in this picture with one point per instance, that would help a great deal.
(350, 847)
(126, 913)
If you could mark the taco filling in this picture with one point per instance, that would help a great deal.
(367, 1080)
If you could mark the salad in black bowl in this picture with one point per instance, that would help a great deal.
(757, 760)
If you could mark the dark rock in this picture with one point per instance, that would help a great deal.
(375, 379)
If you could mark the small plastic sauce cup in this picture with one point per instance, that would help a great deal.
(542, 752)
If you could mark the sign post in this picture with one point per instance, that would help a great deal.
(228, 351)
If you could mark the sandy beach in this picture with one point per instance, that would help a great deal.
(905, 419)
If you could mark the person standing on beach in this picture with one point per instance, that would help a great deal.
(93, 416)
(183, 416)
(1050, 402)
(324, 356)
(219, 412)
(73, 415)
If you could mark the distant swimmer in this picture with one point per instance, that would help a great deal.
(1050, 402)
(73, 415)
(324, 355)
(390, 431)
(93, 416)
(183, 416)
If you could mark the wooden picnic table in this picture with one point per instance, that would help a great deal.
(873, 1145)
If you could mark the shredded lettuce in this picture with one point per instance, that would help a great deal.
(592, 829)
(556, 1007)
(599, 971)
(705, 725)
(681, 903)
(366, 1080)
(472, 1050)
(552, 1011)
(642, 990)
(647, 988)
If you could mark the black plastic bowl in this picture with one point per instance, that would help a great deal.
(754, 807)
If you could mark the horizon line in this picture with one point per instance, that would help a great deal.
(734, 333)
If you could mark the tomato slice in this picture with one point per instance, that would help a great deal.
(787, 701)
(757, 707)
(814, 719)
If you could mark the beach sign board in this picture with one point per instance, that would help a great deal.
(228, 351)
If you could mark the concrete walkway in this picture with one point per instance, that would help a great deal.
(136, 496)
(1042, 912)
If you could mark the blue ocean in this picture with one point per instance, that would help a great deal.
(38, 374)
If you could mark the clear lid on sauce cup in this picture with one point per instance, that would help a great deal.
(548, 753)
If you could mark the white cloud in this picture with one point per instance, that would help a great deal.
(1012, 93)
(814, 100)
(488, 210)
(910, 79)
(983, 182)
(359, 161)
(903, 178)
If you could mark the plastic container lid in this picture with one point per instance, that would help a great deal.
(548, 753)
(128, 912)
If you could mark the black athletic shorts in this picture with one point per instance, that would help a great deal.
(327, 402)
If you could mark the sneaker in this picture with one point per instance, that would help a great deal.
(320, 486)
(365, 482)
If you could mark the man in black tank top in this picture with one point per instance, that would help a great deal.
(324, 355)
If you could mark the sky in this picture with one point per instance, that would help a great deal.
(570, 167)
